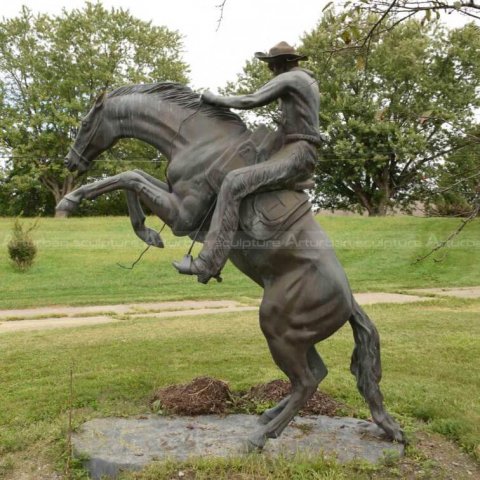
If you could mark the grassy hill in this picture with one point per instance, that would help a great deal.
(77, 261)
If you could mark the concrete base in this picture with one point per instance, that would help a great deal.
(115, 444)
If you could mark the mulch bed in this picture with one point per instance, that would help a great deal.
(203, 395)
(206, 395)
(319, 404)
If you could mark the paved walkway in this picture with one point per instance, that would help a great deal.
(461, 292)
(60, 317)
(43, 318)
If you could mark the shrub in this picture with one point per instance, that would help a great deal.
(450, 204)
(21, 248)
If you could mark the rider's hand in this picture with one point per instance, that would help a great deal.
(209, 97)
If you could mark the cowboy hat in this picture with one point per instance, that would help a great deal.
(281, 51)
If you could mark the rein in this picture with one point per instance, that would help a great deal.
(194, 240)
(80, 156)
(132, 266)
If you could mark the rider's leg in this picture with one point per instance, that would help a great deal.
(294, 163)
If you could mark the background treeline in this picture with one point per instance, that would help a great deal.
(400, 111)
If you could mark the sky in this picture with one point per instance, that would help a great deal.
(215, 57)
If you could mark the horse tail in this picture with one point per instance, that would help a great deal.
(366, 367)
(366, 362)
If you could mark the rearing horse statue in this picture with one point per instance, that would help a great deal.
(306, 297)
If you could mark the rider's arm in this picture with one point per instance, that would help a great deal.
(272, 90)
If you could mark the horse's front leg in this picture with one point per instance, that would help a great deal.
(157, 198)
(137, 218)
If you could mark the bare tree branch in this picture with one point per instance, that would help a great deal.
(221, 7)
(474, 213)
(458, 182)
(367, 39)
(399, 11)
(405, 9)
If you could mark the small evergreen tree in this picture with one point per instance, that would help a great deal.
(21, 248)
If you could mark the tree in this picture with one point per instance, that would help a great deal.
(457, 189)
(390, 115)
(51, 70)
(391, 112)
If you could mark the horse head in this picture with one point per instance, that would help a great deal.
(94, 137)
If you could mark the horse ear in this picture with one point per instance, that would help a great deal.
(99, 100)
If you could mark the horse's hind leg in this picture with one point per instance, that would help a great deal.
(318, 369)
(316, 364)
(367, 369)
(292, 359)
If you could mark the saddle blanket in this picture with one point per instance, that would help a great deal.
(262, 215)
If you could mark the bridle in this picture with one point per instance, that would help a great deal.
(82, 160)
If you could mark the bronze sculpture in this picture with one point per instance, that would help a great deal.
(306, 293)
(293, 162)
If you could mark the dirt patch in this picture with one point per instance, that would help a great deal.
(447, 455)
(433, 457)
(34, 463)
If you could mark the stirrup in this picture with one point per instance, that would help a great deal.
(187, 267)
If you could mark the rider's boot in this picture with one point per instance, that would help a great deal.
(198, 267)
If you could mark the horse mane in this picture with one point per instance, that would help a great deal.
(179, 94)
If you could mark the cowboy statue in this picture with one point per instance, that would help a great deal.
(299, 101)
(306, 294)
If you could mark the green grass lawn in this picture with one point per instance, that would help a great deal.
(431, 363)
(431, 351)
(77, 261)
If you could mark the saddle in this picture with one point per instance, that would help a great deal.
(262, 215)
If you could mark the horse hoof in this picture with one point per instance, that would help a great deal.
(154, 239)
(249, 447)
(400, 437)
(66, 205)
(256, 442)
(394, 433)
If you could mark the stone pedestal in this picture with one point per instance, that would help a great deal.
(114, 444)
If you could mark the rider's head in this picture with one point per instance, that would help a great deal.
(281, 58)
(281, 66)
